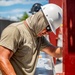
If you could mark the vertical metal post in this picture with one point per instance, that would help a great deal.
(69, 36)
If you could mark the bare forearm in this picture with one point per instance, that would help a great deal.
(53, 51)
(6, 67)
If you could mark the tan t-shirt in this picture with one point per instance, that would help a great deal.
(18, 38)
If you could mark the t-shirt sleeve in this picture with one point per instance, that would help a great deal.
(10, 38)
(45, 43)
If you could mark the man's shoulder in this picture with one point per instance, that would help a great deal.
(16, 24)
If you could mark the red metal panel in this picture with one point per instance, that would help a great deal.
(58, 2)
(69, 36)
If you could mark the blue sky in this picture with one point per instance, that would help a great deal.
(11, 9)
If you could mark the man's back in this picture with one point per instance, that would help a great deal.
(24, 46)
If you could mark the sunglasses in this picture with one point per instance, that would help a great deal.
(48, 28)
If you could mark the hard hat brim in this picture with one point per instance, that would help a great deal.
(52, 28)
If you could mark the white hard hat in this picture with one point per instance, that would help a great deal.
(53, 14)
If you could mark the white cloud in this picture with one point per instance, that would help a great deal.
(0, 17)
(15, 17)
(8, 3)
(14, 14)
(15, 11)
(18, 10)
(12, 18)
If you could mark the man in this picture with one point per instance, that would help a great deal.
(21, 42)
